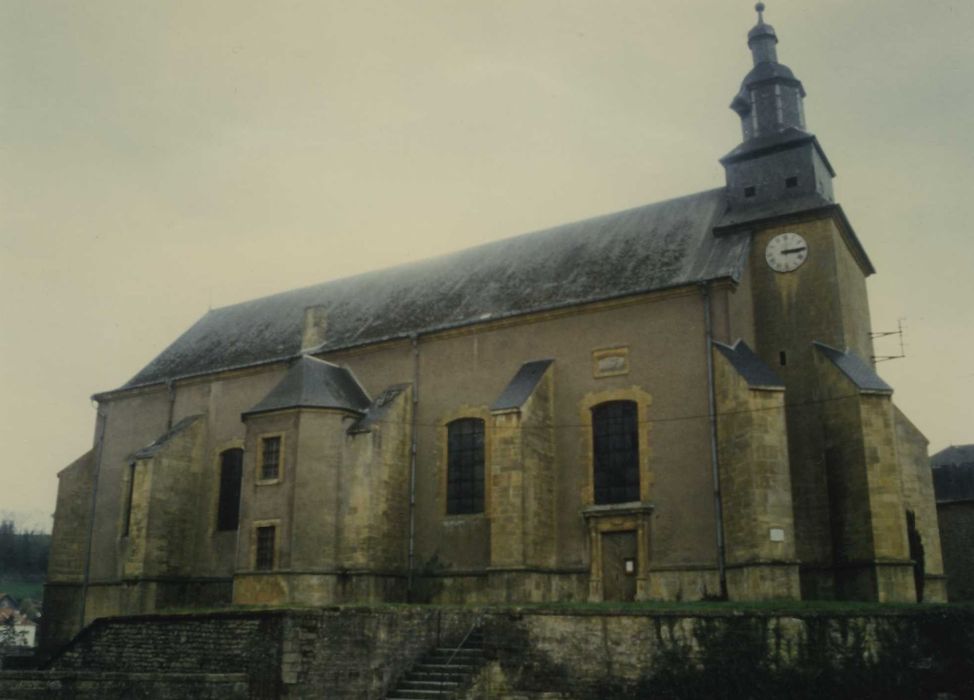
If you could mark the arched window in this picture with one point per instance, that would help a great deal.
(615, 434)
(465, 467)
(228, 506)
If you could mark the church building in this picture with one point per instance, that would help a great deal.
(674, 402)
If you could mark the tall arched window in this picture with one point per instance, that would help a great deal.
(228, 506)
(465, 467)
(615, 433)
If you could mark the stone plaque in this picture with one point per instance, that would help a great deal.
(610, 362)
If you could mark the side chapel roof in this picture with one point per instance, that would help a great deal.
(652, 247)
(747, 364)
(314, 383)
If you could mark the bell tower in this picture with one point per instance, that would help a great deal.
(778, 157)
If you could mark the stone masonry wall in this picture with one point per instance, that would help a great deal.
(921, 654)
(65, 569)
(353, 653)
(916, 653)
(957, 535)
(46, 685)
(756, 488)
(245, 642)
(359, 653)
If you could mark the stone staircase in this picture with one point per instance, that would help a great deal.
(444, 672)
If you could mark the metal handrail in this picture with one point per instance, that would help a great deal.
(477, 622)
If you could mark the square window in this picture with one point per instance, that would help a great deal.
(791, 182)
(750, 191)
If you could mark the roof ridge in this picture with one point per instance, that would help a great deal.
(470, 249)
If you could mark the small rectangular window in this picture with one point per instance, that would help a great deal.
(750, 191)
(791, 182)
(264, 560)
(270, 458)
(783, 358)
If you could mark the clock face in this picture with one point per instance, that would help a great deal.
(786, 252)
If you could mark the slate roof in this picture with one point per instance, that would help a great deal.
(955, 454)
(378, 409)
(652, 247)
(314, 383)
(521, 386)
(772, 143)
(751, 367)
(858, 371)
(152, 448)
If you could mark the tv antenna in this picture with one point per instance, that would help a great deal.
(885, 334)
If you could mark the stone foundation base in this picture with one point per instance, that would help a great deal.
(883, 582)
(502, 586)
(767, 581)
(317, 589)
(935, 589)
(684, 584)
(817, 583)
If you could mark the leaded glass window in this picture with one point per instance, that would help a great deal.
(465, 466)
(616, 450)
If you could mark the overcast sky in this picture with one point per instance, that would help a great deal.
(161, 158)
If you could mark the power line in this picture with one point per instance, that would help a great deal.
(666, 419)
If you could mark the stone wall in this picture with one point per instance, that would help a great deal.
(957, 536)
(34, 685)
(359, 653)
(69, 546)
(759, 529)
(351, 653)
(921, 654)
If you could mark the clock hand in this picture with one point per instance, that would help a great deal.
(793, 250)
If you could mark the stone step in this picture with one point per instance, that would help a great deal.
(401, 694)
(428, 685)
(435, 676)
(461, 659)
(441, 672)
(454, 669)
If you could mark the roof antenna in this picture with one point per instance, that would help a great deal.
(760, 8)
(883, 334)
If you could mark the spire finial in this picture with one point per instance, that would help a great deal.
(760, 8)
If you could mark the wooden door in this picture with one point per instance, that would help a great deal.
(619, 565)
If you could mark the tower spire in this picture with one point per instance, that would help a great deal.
(770, 98)
(762, 39)
(778, 157)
